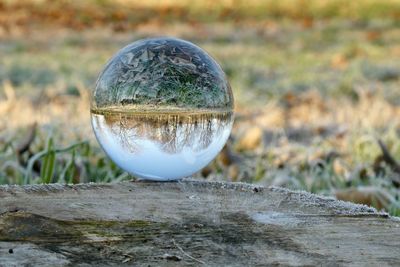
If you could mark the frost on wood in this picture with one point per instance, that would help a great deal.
(189, 223)
(340, 207)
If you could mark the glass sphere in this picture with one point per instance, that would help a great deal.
(162, 109)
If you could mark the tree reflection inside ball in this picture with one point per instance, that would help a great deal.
(162, 109)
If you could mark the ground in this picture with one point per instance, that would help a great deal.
(314, 91)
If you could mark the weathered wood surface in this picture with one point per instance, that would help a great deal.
(188, 223)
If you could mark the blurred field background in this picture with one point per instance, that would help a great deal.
(316, 86)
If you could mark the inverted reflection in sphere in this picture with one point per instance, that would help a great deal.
(162, 109)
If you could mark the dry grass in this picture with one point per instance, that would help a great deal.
(125, 15)
(314, 91)
(285, 145)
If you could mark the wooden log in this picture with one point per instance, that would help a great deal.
(188, 223)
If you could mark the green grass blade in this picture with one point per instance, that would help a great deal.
(50, 168)
(33, 159)
(47, 168)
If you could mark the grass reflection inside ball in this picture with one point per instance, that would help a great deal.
(162, 109)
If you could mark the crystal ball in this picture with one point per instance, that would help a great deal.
(162, 109)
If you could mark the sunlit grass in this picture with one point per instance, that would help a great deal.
(322, 92)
